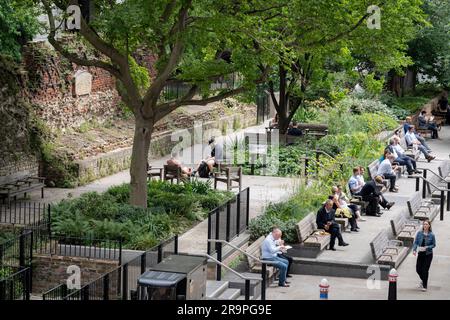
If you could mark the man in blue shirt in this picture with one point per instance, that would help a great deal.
(271, 249)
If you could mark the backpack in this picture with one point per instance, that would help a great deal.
(203, 170)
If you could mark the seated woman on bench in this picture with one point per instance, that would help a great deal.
(342, 209)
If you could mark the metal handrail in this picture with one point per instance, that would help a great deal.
(429, 182)
(436, 174)
(242, 251)
(230, 269)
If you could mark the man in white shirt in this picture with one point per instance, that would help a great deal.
(355, 183)
(411, 139)
(387, 171)
(400, 157)
(270, 250)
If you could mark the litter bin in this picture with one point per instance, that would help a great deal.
(178, 277)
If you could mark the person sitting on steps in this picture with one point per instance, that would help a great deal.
(326, 220)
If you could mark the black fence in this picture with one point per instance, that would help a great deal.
(18, 251)
(25, 213)
(230, 219)
(121, 282)
(262, 106)
(15, 283)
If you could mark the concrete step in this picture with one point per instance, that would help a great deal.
(215, 288)
(243, 297)
(230, 294)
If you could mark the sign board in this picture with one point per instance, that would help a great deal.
(83, 83)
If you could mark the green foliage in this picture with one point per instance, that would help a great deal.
(172, 208)
(372, 85)
(262, 226)
(18, 22)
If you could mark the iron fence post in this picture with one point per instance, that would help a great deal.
(159, 253)
(448, 196)
(263, 284)
(238, 214)
(120, 251)
(27, 284)
(442, 205)
(85, 293)
(125, 282)
(217, 224)
(424, 185)
(417, 184)
(247, 203)
(219, 257)
(227, 236)
(247, 289)
(2, 290)
(22, 249)
(143, 262)
(106, 287)
(176, 244)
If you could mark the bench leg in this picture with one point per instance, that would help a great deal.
(215, 184)
(42, 193)
(24, 195)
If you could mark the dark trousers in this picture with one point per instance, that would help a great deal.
(392, 178)
(352, 220)
(289, 259)
(374, 200)
(423, 266)
(335, 231)
(408, 162)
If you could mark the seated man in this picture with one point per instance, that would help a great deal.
(425, 123)
(387, 171)
(371, 193)
(355, 183)
(411, 140)
(325, 220)
(400, 157)
(174, 161)
(295, 131)
(270, 251)
(406, 127)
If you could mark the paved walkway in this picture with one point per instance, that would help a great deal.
(307, 287)
(263, 190)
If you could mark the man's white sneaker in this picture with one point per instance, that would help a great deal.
(424, 289)
(420, 285)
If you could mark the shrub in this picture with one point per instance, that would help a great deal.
(262, 226)
(121, 193)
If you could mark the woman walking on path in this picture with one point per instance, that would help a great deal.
(424, 244)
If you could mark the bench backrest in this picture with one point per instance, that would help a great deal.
(372, 169)
(378, 244)
(434, 179)
(397, 223)
(171, 169)
(414, 203)
(255, 250)
(306, 227)
(444, 169)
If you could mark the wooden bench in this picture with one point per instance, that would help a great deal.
(308, 234)
(174, 173)
(254, 265)
(155, 172)
(21, 186)
(421, 209)
(404, 229)
(228, 175)
(316, 130)
(436, 185)
(388, 252)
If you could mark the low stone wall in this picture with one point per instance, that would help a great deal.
(51, 271)
(25, 165)
(112, 162)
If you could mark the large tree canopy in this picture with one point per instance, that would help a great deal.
(307, 35)
(430, 50)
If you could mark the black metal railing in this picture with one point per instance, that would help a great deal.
(230, 219)
(57, 293)
(15, 283)
(18, 251)
(120, 283)
(25, 213)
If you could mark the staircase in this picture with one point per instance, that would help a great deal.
(220, 290)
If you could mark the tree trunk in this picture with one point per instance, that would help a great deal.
(139, 159)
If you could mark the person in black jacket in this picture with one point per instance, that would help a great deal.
(370, 192)
(325, 220)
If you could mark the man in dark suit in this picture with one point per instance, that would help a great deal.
(325, 220)
(371, 193)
